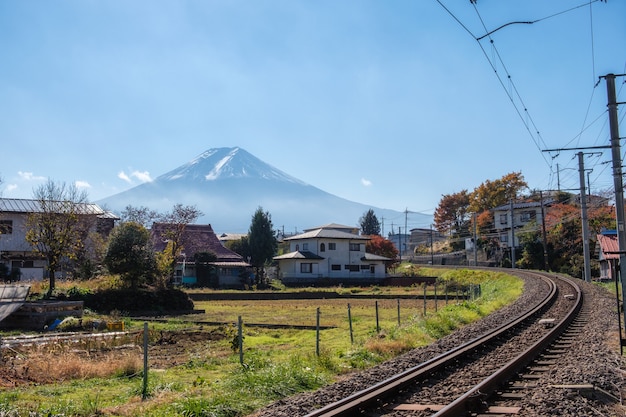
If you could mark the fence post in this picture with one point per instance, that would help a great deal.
(317, 335)
(436, 301)
(240, 338)
(377, 322)
(144, 389)
(350, 323)
(425, 299)
(398, 312)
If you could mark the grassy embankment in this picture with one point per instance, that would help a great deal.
(277, 362)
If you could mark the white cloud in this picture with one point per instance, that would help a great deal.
(366, 182)
(142, 176)
(122, 175)
(82, 184)
(11, 187)
(138, 175)
(29, 176)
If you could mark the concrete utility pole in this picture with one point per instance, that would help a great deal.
(585, 221)
(618, 183)
(543, 232)
(475, 243)
(512, 236)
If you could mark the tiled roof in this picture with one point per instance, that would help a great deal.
(372, 257)
(327, 234)
(299, 255)
(196, 238)
(19, 205)
(335, 226)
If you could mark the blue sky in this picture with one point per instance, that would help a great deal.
(387, 103)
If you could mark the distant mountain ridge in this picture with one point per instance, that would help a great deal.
(229, 184)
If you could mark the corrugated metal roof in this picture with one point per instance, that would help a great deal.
(18, 205)
(609, 246)
(527, 204)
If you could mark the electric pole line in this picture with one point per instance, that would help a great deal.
(584, 219)
(618, 184)
(583, 202)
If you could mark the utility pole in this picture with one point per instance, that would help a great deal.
(543, 230)
(618, 184)
(475, 243)
(406, 230)
(512, 236)
(583, 199)
(585, 221)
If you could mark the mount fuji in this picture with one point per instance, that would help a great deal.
(229, 184)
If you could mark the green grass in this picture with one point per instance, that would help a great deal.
(277, 362)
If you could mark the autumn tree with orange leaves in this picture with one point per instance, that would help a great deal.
(380, 246)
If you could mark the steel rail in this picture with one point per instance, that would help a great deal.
(370, 395)
(472, 400)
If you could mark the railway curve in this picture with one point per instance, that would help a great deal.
(466, 389)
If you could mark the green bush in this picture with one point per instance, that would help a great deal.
(138, 300)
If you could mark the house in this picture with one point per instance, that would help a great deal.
(332, 253)
(523, 214)
(225, 238)
(401, 241)
(608, 248)
(17, 254)
(229, 270)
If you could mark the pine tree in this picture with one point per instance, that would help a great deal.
(369, 223)
(262, 242)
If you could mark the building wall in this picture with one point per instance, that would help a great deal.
(522, 216)
(16, 241)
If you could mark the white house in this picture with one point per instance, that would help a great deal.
(16, 253)
(521, 215)
(329, 254)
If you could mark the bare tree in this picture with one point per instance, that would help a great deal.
(173, 228)
(142, 215)
(57, 227)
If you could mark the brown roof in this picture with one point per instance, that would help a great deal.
(609, 246)
(196, 238)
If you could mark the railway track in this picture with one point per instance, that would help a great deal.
(439, 386)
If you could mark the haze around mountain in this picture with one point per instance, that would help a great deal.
(229, 184)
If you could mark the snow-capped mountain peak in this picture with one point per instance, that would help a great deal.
(222, 163)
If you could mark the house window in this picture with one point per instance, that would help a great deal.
(297, 248)
(372, 269)
(504, 219)
(335, 267)
(365, 267)
(352, 268)
(355, 247)
(504, 238)
(323, 247)
(332, 246)
(305, 246)
(528, 216)
(28, 264)
(306, 268)
(6, 227)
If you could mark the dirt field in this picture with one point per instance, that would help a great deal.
(42, 364)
